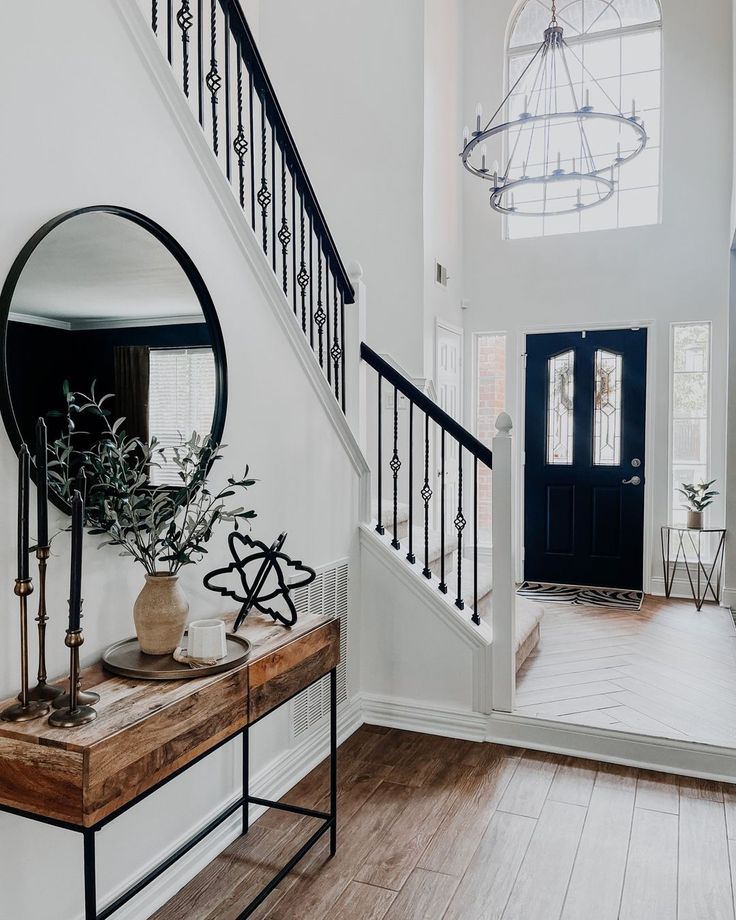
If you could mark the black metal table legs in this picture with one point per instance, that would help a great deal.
(328, 821)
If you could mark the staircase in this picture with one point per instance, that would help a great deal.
(434, 529)
(214, 58)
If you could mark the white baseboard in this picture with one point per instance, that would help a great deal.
(272, 782)
(415, 715)
(681, 588)
(684, 758)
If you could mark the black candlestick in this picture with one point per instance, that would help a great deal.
(42, 690)
(73, 713)
(42, 484)
(24, 469)
(26, 709)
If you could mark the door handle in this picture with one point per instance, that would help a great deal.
(634, 481)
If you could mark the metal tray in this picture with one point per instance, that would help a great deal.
(126, 659)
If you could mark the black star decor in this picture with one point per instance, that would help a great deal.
(245, 578)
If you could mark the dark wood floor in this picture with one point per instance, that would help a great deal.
(437, 829)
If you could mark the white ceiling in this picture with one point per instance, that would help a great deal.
(99, 269)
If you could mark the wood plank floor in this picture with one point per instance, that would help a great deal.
(665, 670)
(437, 829)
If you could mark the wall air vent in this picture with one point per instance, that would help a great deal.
(328, 594)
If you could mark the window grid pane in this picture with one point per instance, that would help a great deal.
(560, 408)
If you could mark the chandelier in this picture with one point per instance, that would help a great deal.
(560, 153)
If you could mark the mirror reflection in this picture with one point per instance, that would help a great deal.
(102, 302)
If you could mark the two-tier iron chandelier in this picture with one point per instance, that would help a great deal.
(561, 154)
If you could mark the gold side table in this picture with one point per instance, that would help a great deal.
(700, 574)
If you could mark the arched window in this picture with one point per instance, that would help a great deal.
(619, 42)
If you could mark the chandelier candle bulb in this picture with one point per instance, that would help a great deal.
(466, 135)
(633, 108)
(483, 154)
(478, 116)
(587, 98)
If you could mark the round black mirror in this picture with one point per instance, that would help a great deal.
(102, 301)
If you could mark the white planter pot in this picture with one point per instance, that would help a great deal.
(695, 520)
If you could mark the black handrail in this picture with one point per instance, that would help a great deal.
(426, 405)
(264, 88)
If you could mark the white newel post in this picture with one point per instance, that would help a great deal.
(355, 372)
(503, 651)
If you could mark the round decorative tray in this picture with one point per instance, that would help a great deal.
(126, 659)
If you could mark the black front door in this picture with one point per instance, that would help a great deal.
(584, 460)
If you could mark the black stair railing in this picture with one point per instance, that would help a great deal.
(214, 57)
(436, 429)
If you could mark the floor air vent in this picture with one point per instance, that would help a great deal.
(328, 594)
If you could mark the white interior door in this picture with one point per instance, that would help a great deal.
(449, 382)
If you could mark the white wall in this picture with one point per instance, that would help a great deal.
(349, 76)
(443, 104)
(678, 270)
(88, 128)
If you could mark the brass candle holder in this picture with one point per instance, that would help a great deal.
(26, 709)
(75, 713)
(43, 690)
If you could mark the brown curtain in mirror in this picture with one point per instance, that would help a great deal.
(131, 388)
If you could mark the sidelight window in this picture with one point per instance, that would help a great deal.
(690, 410)
(560, 399)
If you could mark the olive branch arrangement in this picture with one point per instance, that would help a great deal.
(163, 527)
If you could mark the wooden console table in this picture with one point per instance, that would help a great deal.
(149, 732)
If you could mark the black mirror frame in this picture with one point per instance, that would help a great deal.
(189, 269)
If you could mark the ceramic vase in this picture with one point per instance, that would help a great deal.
(160, 614)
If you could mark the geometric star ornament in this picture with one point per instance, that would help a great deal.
(259, 577)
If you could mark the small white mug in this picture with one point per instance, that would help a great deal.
(206, 639)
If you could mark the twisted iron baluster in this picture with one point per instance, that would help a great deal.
(426, 494)
(460, 523)
(240, 144)
(303, 276)
(154, 16)
(320, 316)
(336, 350)
(284, 232)
(395, 467)
(264, 196)
(213, 81)
(184, 20)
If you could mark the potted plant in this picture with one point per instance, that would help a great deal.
(162, 527)
(697, 498)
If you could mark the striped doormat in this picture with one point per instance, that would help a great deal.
(621, 598)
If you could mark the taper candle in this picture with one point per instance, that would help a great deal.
(24, 469)
(42, 483)
(75, 588)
